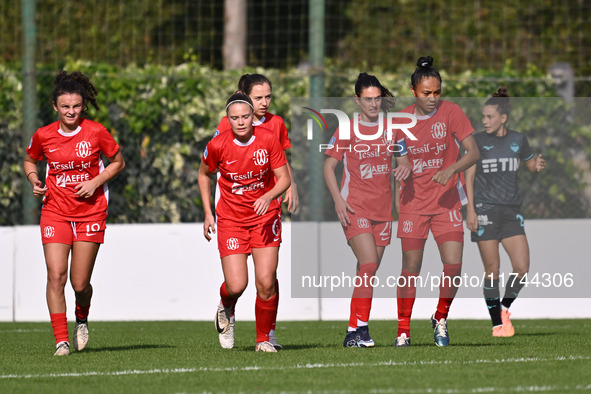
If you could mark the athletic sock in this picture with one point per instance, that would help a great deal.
(512, 289)
(493, 300)
(406, 294)
(272, 332)
(227, 300)
(82, 313)
(59, 323)
(264, 310)
(447, 289)
(364, 293)
(353, 315)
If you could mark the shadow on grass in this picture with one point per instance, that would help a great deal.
(125, 348)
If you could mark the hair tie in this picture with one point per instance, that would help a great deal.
(424, 64)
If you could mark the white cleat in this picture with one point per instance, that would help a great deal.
(265, 347)
(402, 341)
(224, 323)
(62, 349)
(80, 338)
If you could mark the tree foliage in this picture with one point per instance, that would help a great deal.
(163, 117)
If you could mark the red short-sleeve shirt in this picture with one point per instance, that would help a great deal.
(367, 169)
(437, 147)
(73, 158)
(245, 174)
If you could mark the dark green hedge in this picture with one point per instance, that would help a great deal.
(164, 116)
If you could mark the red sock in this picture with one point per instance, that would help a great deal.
(227, 300)
(405, 297)
(59, 322)
(447, 289)
(82, 312)
(264, 310)
(353, 313)
(276, 309)
(364, 293)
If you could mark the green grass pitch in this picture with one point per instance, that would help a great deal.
(185, 357)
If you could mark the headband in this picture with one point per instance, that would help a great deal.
(239, 101)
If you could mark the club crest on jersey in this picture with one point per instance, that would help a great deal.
(48, 232)
(439, 130)
(232, 244)
(260, 157)
(407, 226)
(83, 149)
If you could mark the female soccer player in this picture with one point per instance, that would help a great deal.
(494, 202)
(248, 215)
(75, 198)
(364, 201)
(430, 199)
(259, 88)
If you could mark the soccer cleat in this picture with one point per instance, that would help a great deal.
(224, 323)
(80, 338)
(265, 347)
(274, 342)
(351, 339)
(509, 329)
(62, 349)
(499, 331)
(363, 338)
(402, 341)
(440, 335)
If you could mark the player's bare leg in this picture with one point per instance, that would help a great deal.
(56, 260)
(83, 259)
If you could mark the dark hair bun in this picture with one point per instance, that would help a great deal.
(501, 92)
(425, 62)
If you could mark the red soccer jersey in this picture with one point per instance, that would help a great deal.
(245, 174)
(270, 122)
(367, 169)
(73, 158)
(437, 147)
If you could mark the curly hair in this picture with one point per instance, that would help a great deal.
(74, 83)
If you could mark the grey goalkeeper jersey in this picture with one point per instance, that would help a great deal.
(496, 179)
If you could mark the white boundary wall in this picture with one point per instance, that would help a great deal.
(169, 272)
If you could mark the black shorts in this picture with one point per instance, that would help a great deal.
(498, 222)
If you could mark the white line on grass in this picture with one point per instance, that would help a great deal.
(488, 389)
(290, 367)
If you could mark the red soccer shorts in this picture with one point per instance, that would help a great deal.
(413, 229)
(235, 239)
(57, 230)
(382, 231)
